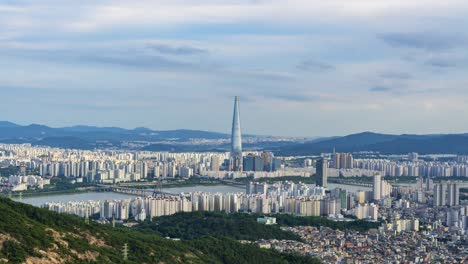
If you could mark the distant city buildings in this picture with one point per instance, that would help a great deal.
(342, 161)
(264, 162)
(267, 220)
(367, 211)
(413, 168)
(413, 157)
(380, 188)
(322, 172)
(23, 183)
(286, 197)
(446, 194)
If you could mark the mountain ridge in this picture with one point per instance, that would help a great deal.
(383, 143)
(186, 140)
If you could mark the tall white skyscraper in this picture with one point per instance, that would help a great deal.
(236, 139)
(377, 187)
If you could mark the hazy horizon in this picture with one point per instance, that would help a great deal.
(301, 68)
(228, 132)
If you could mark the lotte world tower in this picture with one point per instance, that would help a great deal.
(236, 139)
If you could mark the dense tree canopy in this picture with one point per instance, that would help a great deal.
(29, 232)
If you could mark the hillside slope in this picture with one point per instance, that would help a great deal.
(33, 235)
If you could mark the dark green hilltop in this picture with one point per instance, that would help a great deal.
(34, 235)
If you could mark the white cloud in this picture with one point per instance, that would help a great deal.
(86, 16)
(250, 48)
(173, 13)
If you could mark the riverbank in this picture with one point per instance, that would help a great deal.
(172, 185)
(102, 196)
(295, 179)
(50, 193)
(91, 189)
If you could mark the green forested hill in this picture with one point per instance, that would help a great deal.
(195, 225)
(34, 235)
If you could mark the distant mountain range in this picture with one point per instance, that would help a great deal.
(88, 137)
(180, 140)
(141, 138)
(383, 143)
(8, 129)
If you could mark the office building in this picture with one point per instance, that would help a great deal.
(322, 172)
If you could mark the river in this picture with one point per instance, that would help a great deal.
(101, 196)
(348, 188)
(40, 200)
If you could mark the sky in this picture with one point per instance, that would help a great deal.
(301, 67)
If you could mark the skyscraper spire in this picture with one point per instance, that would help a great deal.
(236, 139)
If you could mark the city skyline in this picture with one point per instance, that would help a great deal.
(122, 137)
(347, 65)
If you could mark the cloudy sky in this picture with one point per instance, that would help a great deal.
(301, 67)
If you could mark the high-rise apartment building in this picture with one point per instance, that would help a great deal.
(343, 160)
(439, 194)
(377, 187)
(214, 163)
(446, 194)
(453, 195)
(380, 188)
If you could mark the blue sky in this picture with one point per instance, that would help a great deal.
(301, 67)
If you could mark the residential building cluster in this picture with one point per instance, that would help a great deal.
(344, 164)
(118, 166)
(24, 182)
(259, 197)
(446, 194)
(401, 225)
(278, 198)
(414, 168)
(457, 217)
(374, 246)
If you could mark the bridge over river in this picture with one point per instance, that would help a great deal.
(132, 191)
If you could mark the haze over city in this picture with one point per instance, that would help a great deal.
(334, 67)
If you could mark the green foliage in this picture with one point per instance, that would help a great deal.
(37, 229)
(13, 223)
(452, 178)
(199, 224)
(230, 251)
(401, 179)
(13, 251)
